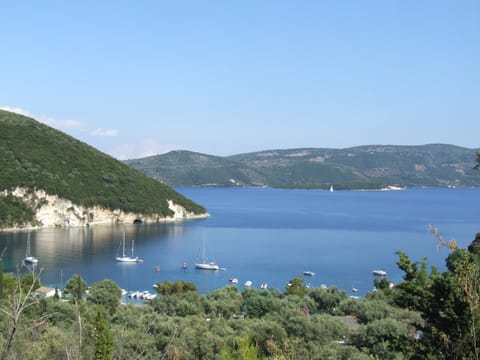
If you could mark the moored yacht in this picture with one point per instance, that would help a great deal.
(206, 265)
(127, 259)
(28, 256)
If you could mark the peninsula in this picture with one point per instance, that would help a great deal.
(48, 178)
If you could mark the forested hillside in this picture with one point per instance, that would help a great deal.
(365, 167)
(38, 157)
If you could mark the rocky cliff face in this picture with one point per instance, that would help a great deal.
(53, 211)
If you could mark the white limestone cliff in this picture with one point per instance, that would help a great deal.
(53, 211)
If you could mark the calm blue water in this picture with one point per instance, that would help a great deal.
(264, 235)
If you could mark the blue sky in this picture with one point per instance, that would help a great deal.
(138, 78)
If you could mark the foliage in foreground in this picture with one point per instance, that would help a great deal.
(429, 315)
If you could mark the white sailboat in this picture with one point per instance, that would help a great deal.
(28, 256)
(205, 265)
(331, 188)
(127, 259)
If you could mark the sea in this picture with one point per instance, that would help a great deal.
(262, 235)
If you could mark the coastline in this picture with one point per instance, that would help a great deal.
(52, 211)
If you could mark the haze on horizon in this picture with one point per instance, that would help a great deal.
(141, 78)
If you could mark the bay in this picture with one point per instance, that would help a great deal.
(263, 235)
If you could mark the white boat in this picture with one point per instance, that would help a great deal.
(150, 296)
(264, 286)
(308, 273)
(331, 188)
(134, 294)
(379, 272)
(28, 256)
(248, 283)
(233, 280)
(127, 259)
(206, 265)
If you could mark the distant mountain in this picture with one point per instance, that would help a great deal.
(185, 168)
(363, 167)
(38, 162)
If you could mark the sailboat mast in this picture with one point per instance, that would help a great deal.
(133, 241)
(204, 242)
(27, 250)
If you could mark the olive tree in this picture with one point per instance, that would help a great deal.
(105, 293)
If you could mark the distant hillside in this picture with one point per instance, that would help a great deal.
(185, 168)
(38, 157)
(364, 167)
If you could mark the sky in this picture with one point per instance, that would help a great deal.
(140, 78)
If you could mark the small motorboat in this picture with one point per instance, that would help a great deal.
(264, 286)
(308, 273)
(248, 283)
(379, 272)
(233, 280)
(184, 265)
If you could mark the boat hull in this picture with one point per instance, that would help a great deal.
(31, 260)
(127, 259)
(206, 266)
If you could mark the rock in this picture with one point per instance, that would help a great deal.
(53, 211)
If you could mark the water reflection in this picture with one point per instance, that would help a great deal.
(63, 251)
(262, 235)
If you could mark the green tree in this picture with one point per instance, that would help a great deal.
(244, 349)
(105, 293)
(415, 291)
(269, 336)
(449, 302)
(385, 339)
(76, 287)
(257, 304)
(177, 287)
(296, 286)
(1, 277)
(103, 340)
(327, 299)
(224, 302)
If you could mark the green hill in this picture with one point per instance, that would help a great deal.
(186, 168)
(364, 167)
(38, 157)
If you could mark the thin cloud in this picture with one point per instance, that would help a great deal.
(150, 147)
(123, 151)
(102, 132)
(58, 124)
(61, 124)
(147, 147)
(16, 110)
(68, 124)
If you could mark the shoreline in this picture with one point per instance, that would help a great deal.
(167, 220)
